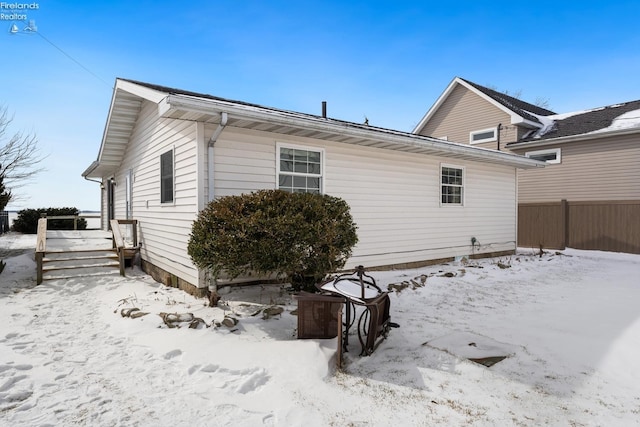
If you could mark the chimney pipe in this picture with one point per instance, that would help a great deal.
(324, 109)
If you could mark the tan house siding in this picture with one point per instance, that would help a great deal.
(601, 169)
(597, 181)
(520, 133)
(463, 112)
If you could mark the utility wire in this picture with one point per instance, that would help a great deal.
(74, 60)
(71, 57)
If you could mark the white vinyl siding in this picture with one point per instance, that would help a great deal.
(164, 228)
(394, 196)
(245, 161)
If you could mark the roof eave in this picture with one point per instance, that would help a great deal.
(516, 119)
(209, 106)
(92, 167)
(521, 121)
(100, 167)
(572, 138)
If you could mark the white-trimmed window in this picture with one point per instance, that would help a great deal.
(483, 135)
(166, 177)
(551, 156)
(451, 185)
(300, 169)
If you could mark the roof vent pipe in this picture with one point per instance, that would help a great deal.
(324, 109)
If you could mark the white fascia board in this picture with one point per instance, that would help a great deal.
(91, 168)
(210, 106)
(106, 125)
(134, 89)
(141, 91)
(164, 108)
(519, 120)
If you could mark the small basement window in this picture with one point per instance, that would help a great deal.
(484, 135)
(166, 177)
(300, 169)
(452, 185)
(551, 156)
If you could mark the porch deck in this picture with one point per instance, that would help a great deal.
(72, 253)
(68, 240)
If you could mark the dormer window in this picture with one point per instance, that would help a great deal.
(483, 135)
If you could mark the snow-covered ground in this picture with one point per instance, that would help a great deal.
(569, 324)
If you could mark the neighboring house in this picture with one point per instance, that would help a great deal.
(166, 153)
(593, 159)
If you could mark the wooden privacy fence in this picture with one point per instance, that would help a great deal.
(603, 225)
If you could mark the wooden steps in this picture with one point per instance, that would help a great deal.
(82, 253)
(79, 263)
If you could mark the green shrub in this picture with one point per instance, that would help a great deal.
(299, 235)
(27, 220)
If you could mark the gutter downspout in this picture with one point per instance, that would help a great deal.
(224, 117)
(92, 180)
(210, 153)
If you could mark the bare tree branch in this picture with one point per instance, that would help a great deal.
(20, 157)
(539, 102)
(542, 102)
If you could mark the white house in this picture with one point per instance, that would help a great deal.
(166, 153)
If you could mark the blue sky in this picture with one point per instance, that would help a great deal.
(384, 60)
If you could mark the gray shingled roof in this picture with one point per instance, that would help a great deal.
(589, 121)
(174, 91)
(521, 108)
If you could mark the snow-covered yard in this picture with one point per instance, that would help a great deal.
(569, 322)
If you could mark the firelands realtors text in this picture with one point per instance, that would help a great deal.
(16, 11)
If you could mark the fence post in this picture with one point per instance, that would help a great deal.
(564, 225)
(39, 259)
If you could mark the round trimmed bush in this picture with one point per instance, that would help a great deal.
(300, 236)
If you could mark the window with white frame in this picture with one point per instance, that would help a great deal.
(300, 169)
(166, 177)
(551, 156)
(451, 185)
(483, 135)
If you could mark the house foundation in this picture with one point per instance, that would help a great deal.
(169, 279)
